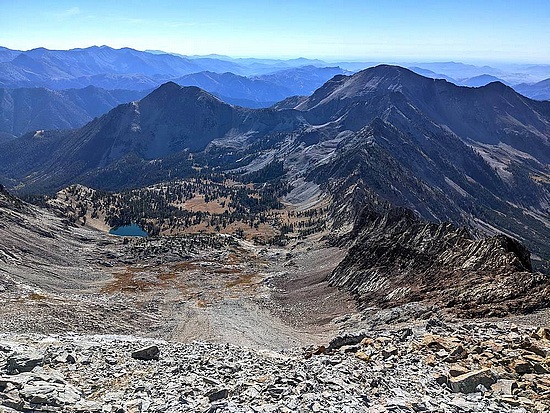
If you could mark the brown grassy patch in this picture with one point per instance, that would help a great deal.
(225, 270)
(127, 281)
(185, 266)
(141, 279)
(243, 280)
(197, 204)
(37, 296)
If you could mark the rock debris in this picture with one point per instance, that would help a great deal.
(435, 366)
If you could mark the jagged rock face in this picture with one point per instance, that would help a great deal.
(397, 259)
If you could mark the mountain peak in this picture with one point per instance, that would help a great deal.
(163, 92)
(171, 90)
(169, 86)
(377, 79)
(497, 86)
(386, 71)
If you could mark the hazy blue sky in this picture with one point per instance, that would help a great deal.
(482, 30)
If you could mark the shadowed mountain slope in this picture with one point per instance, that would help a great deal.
(171, 120)
(494, 114)
(539, 90)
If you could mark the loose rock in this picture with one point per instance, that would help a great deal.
(147, 353)
(468, 383)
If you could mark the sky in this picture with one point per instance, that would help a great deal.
(366, 30)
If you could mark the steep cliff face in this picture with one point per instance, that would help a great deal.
(397, 258)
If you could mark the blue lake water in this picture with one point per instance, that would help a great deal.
(128, 231)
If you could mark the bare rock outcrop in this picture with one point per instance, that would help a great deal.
(397, 258)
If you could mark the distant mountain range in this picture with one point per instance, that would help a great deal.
(235, 89)
(474, 156)
(539, 90)
(30, 109)
(117, 68)
(244, 82)
(131, 69)
(530, 81)
(263, 90)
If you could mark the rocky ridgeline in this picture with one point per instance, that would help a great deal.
(435, 367)
(398, 258)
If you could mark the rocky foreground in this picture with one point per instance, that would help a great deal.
(433, 366)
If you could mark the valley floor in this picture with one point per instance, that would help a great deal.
(234, 292)
(240, 328)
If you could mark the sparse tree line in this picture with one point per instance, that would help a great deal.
(240, 208)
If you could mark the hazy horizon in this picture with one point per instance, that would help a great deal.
(411, 31)
(389, 60)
